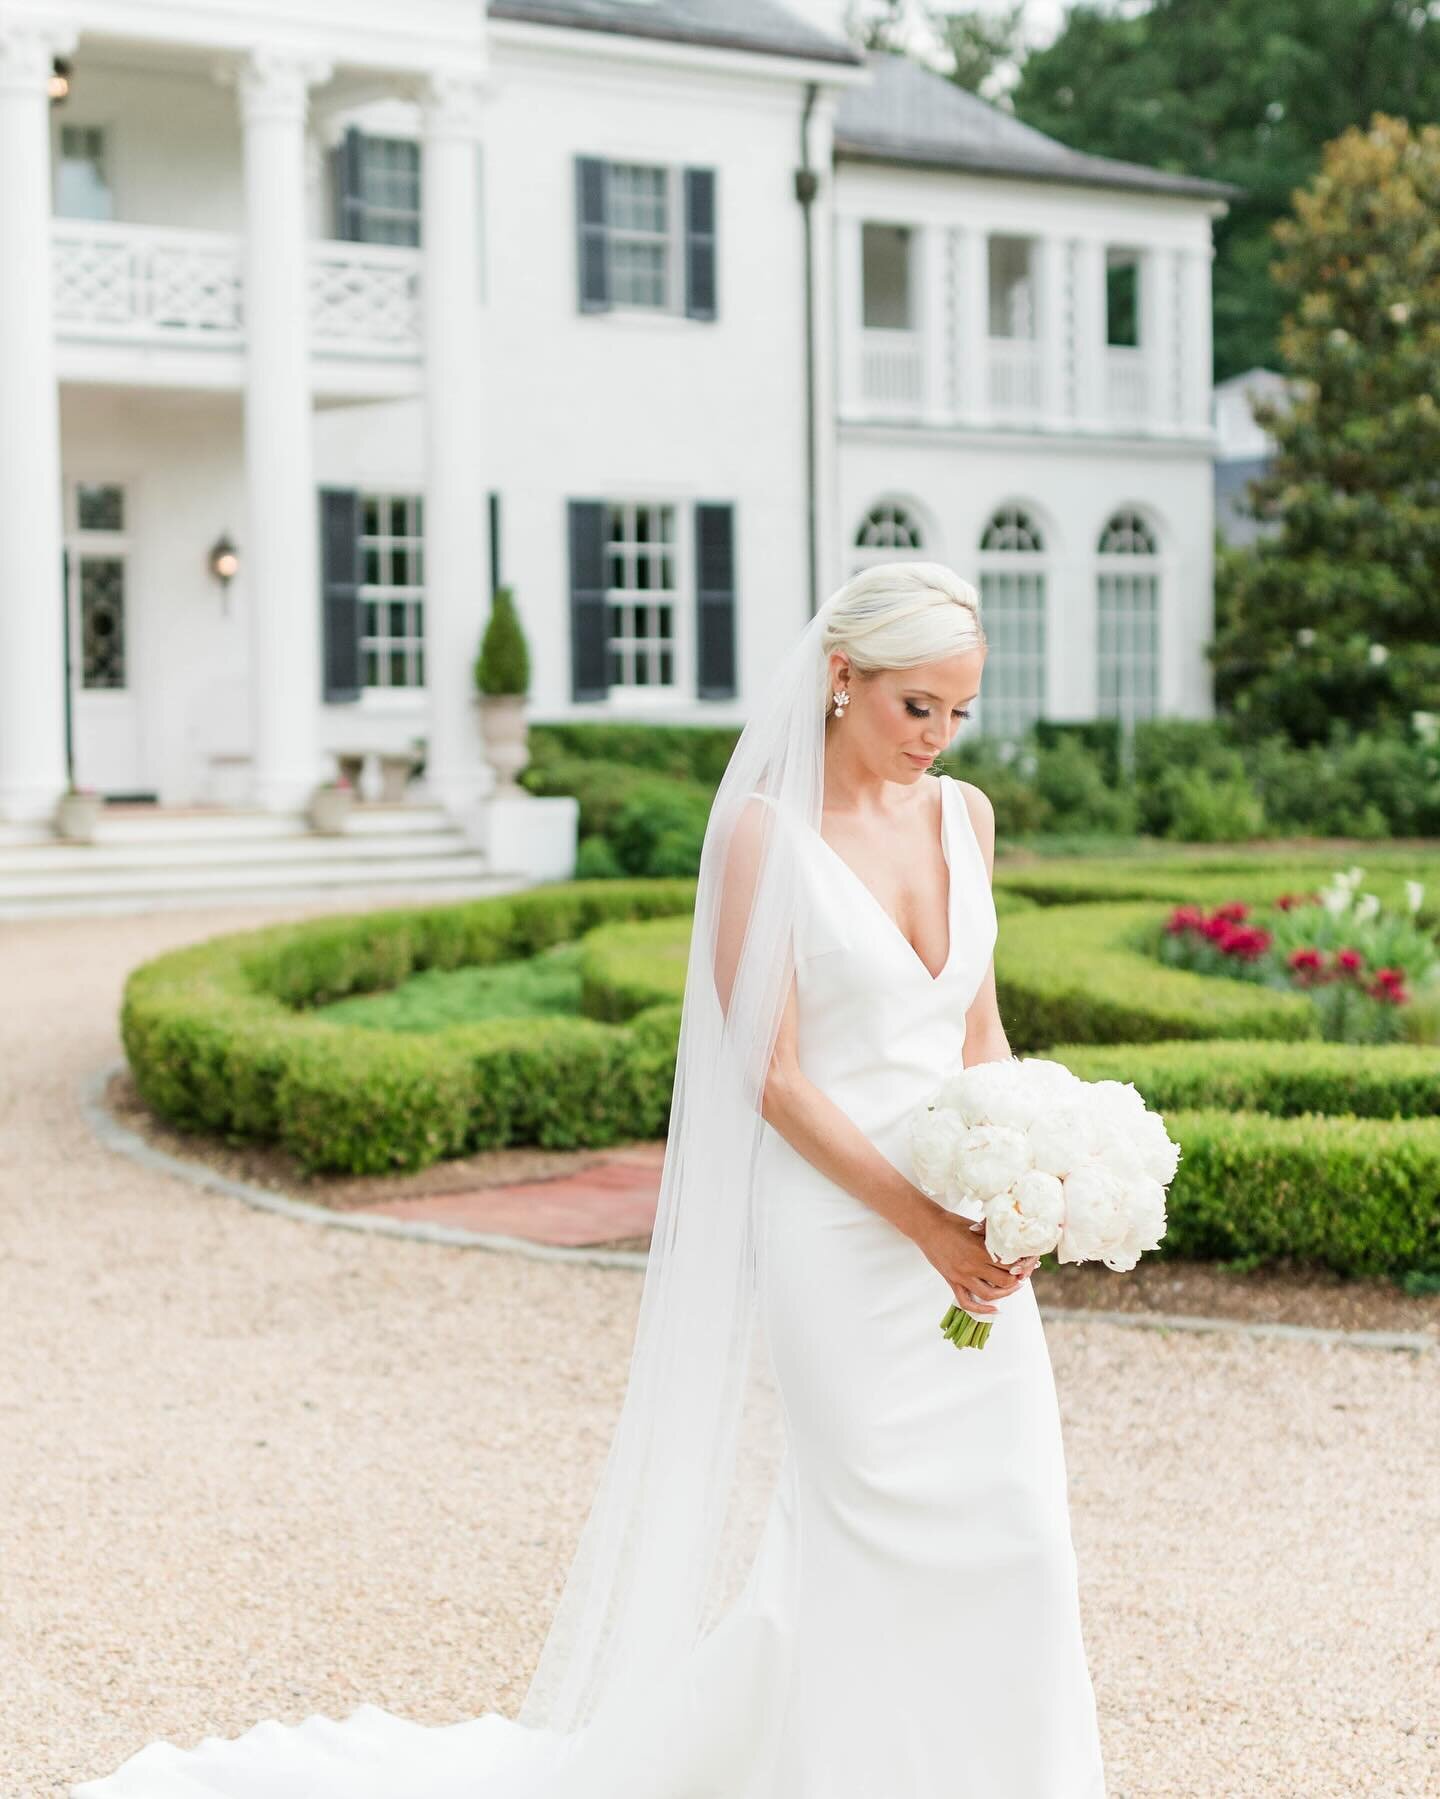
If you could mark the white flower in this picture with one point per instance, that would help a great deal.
(1352, 876)
(1025, 1220)
(1400, 312)
(1096, 1216)
(1335, 898)
(1158, 1151)
(1339, 335)
(1145, 1223)
(1305, 636)
(1369, 905)
(1069, 1138)
(1414, 894)
(935, 1136)
(990, 1159)
(1378, 655)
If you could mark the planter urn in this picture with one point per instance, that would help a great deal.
(502, 727)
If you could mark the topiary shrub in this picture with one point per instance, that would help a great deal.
(503, 664)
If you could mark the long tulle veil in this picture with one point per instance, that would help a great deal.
(669, 1527)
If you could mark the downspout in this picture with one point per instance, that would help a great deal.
(807, 185)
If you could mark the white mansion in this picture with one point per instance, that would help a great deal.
(318, 321)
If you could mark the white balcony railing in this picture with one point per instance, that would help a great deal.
(151, 284)
(1127, 385)
(892, 370)
(1015, 377)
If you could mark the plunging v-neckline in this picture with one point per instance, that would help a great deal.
(945, 850)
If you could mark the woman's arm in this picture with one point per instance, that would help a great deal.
(985, 1039)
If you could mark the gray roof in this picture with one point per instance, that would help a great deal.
(909, 114)
(764, 25)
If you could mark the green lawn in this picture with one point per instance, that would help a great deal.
(538, 987)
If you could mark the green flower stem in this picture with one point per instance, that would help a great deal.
(964, 1331)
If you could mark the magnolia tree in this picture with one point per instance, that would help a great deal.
(1334, 615)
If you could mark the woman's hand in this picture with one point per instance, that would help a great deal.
(955, 1247)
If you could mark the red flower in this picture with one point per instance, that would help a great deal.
(1184, 918)
(1234, 909)
(1348, 959)
(1304, 959)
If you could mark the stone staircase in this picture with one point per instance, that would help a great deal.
(147, 857)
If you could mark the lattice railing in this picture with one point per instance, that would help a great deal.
(364, 300)
(154, 284)
(146, 283)
(1127, 384)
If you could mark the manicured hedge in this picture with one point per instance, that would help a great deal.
(1222, 875)
(1078, 974)
(224, 1037)
(1357, 1195)
(1389, 1081)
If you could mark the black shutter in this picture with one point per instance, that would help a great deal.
(493, 500)
(349, 200)
(340, 606)
(715, 601)
(593, 245)
(700, 242)
(588, 622)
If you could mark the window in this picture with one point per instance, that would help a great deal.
(647, 236)
(1012, 611)
(1012, 287)
(641, 236)
(377, 189)
(1122, 298)
(392, 590)
(885, 257)
(889, 532)
(97, 603)
(82, 182)
(640, 595)
(1128, 620)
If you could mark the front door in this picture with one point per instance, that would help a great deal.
(105, 734)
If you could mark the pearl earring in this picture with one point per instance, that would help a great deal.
(842, 700)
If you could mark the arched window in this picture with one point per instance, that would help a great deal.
(889, 532)
(1013, 579)
(1128, 620)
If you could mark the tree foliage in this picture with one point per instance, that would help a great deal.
(1246, 91)
(1335, 615)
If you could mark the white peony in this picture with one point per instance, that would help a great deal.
(1158, 1151)
(935, 1137)
(1096, 1216)
(1025, 1220)
(1145, 1225)
(991, 1158)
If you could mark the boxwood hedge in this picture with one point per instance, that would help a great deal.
(226, 1036)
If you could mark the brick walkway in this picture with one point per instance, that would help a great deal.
(611, 1199)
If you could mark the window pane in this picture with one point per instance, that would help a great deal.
(1012, 287)
(82, 187)
(99, 508)
(393, 621)
(102, 621)
(1122, 294)
(885, 274)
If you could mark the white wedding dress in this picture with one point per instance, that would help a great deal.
(910, 1627)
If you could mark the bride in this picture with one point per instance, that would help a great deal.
(830, 1554)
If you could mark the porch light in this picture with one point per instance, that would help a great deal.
(58, 87)
(224, 562)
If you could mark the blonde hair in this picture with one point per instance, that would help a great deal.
(898, 614)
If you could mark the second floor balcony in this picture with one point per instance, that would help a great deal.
(126, 288)
(953, 325)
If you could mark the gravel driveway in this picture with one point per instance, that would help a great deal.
(253, 1468)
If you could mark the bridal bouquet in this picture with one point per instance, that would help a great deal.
(1049, 1162)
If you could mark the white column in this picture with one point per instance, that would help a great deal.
(1054, 327)
(280, 556)
(32, 649)
(1090, 345)
(456, 580)
(1158, 336)
(935, 323)
(1196, 347)
(972, 327)
(850, 311)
